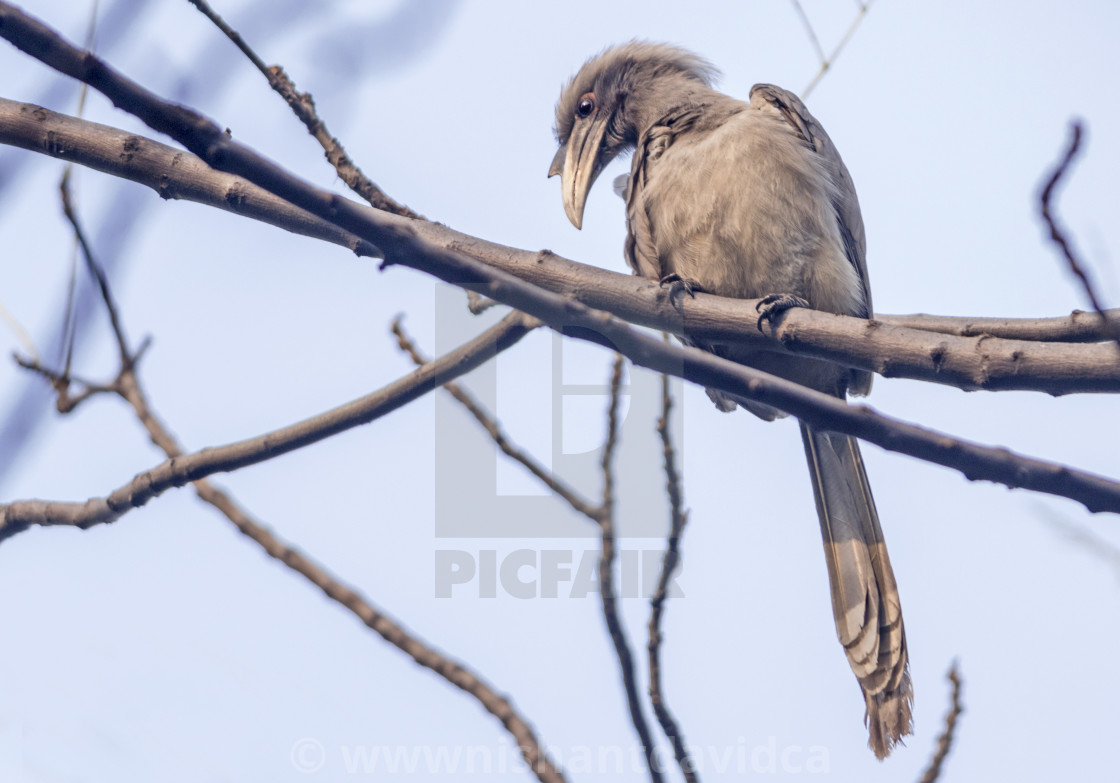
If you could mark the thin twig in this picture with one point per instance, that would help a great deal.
(1085, 539)
(95, 270)
(826, 63)
(69, 316)
(1058, 236)
(945, 741)
(605, 518)
(303, 105)
(809, 29)
(494, 430)
(678, 518)
(21, 334)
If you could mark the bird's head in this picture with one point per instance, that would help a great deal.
(605, 106)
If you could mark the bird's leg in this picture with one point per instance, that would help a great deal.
(678, 286)
(770, 307)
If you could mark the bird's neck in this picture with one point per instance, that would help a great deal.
(667, 97)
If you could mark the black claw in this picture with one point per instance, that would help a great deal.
(678, 286)
(770, 307)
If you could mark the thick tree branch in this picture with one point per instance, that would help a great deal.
(403, 243)
(179, 471)
(962, 354)
(1077, 327)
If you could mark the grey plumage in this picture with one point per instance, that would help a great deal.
(748, 200)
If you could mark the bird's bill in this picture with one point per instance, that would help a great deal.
(578, 164)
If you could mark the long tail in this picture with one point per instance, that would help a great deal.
(864, 594)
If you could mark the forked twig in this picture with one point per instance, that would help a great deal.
(827, 62)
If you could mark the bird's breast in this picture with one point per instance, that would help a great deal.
(745, 210)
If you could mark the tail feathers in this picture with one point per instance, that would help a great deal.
(865, 601)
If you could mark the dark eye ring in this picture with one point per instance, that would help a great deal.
(586, 105)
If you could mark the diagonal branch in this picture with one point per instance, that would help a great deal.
(303, 106)
(404, 244)
(494, 430)
(374, 618)
(962, 354)
(179, 471)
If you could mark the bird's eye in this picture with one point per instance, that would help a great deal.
(586, 105)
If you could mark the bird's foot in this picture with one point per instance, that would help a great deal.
(770, 307)
(678, 287)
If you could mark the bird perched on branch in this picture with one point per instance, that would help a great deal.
(751, 200)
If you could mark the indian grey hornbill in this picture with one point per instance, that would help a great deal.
(752, 200)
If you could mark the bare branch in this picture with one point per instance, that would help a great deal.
(18, 516)
(945, 741)
(170, 172)
(678, 519)
(303, 106)
(963, 354)
(127, 386)
(1057, 235)
(1077, 327)
(1085, 539)
(810, 31)
(95, 270)
(374, 618)
(403, 243)
(494, 430)
(605, 518)
(826, 62)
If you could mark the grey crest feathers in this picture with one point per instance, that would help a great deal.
(618, 69)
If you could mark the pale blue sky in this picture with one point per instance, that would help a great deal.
(167, 647)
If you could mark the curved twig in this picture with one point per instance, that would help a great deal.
(678, 519)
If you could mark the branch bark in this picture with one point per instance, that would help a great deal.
(182, 470)
(403, 243)
(373, 617)
(964, 352)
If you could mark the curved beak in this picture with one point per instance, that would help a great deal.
(578, 163)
